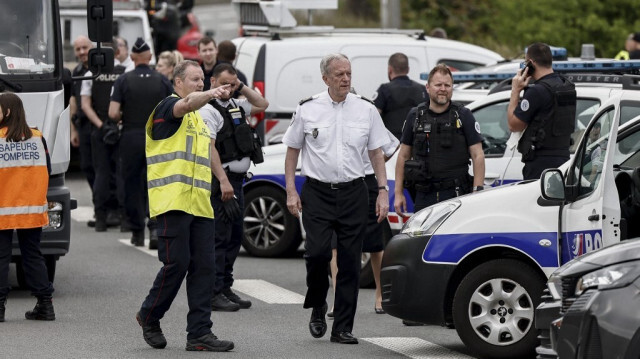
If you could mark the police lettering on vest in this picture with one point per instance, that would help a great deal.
(101, 91)
(236, 139)
(550, 134)
(440, 153)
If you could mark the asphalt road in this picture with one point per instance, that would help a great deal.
(101, 283)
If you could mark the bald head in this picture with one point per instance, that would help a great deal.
(81, 47)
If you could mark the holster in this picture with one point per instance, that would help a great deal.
(415, 171)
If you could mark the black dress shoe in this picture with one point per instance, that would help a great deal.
(343, 338)
(379, 310)
(318, 324)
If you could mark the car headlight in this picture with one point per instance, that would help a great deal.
(426, 221)
(614, 276)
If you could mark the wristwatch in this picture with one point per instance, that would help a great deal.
(477, 188)
(380, 188)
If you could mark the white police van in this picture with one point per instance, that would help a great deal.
(479, 262)
(282, 60)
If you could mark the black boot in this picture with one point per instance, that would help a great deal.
(43, 310)
(3, 301)
(101, 222)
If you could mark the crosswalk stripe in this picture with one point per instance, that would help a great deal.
(267, 292)
(416, 348)
(82, 214)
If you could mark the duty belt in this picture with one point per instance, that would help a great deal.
(339, 185)
(440, 185)
(236, 176)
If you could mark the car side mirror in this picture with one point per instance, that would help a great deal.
(552, 185)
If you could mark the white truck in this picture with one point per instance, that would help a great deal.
(31, 66)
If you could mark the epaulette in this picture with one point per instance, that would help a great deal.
(307, 99)
(366, 99)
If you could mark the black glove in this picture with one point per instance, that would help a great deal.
(110, 132)
(230, 210)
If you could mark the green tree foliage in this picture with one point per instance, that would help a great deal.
(508, 26)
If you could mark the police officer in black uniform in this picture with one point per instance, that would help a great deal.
(135, 95)
(396, 98)
(438, 140)
(104, 138)
(234, 145)
(546, 113)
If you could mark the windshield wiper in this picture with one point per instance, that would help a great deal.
(4, 83)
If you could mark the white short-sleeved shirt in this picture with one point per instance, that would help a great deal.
(85, 88)
(334, 135)
(388, 150)
(214, 121)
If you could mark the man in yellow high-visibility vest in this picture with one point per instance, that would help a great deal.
(179, 183)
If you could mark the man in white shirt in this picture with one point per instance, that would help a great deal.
(333, 129)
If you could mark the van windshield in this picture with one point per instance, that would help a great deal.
(27, 37)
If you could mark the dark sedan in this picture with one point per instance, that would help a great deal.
(592, 306)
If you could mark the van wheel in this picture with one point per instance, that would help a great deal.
(366, 272)
(269, 229)
(494, 306)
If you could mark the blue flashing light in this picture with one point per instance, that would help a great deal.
(601, 66)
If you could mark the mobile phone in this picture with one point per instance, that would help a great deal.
(529, 65)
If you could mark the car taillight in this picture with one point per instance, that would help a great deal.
(258, 117)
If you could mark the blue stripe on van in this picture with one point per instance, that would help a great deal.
(451, 248)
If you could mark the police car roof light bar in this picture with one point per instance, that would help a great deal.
(601, 66)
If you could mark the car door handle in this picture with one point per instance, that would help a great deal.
(594, 217)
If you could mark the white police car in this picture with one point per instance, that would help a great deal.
(479, 262)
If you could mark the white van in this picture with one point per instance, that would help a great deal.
(284, 64)
(479, 262)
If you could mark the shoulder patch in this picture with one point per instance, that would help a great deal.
(366, 99)
(303, 101)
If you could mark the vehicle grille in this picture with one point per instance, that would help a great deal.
(568, 293)
(580, 302)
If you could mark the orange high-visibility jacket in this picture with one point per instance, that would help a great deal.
(23, 182)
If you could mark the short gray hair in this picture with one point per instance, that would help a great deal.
(328, 59)
(180, 71)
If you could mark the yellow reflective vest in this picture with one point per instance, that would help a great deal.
(24, 179)
(179, 169)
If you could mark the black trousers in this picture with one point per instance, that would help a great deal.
(228, 238)
(105, 162)
(426, 199)
(35, 270)
(134, 177)
(533, 169)
(326, 211)
(185, 247)
(85, 128)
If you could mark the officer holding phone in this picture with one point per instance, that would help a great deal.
(546, 113)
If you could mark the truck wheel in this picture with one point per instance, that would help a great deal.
(269, 229)
(494, 306)
(366, 272)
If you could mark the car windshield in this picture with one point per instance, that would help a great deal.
(27, 40)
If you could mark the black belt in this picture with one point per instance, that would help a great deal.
(335, 185)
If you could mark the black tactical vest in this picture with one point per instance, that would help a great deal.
(550, 134)
(144, 92)
(439, 142)
(101, 91)
(402, 100)
(234, 141)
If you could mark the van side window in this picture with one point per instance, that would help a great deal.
(588, 166)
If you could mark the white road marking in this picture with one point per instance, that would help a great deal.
(267, 292)
(145, 249)
(82, 214)
(416, 348)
